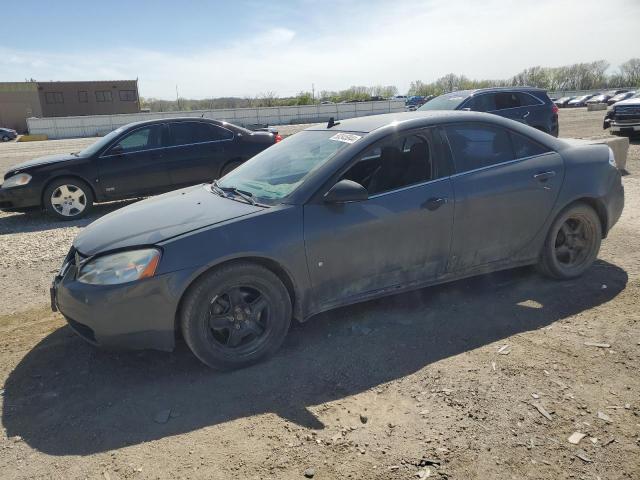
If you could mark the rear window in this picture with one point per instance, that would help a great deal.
(450, 101)
(476, 146)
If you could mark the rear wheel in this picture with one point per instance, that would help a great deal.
(5, 138)
(68, 198)
(235, 315)
(572, 244)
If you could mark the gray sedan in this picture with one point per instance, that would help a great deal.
(340, 213)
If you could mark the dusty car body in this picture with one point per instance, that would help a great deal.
(370, 215)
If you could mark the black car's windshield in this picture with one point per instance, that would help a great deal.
(95, 147)
(449, 101)
(277, 171)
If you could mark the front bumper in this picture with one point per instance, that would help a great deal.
(19, 197)
(625, 127)
(136, 315)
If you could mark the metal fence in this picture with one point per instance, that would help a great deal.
(98, 125)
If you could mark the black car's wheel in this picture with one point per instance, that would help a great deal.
(235, 315)
(5, 138)
(68, 198)
(573, 243)
(229, 167)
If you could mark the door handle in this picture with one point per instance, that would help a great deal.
(544, 176)
(524, 117)
(434, 203)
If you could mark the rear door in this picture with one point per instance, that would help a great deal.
(198, 151)
(505, 187)
(135, 164)
(398, 237)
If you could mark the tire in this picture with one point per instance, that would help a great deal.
(232, 165)
(5, 138)
(68, 198)
(572, 244)
(226, 325)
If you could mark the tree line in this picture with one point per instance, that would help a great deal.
(579, 76)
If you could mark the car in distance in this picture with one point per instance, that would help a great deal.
(602, 98)
(581, 101)
(623, 118)
(7, 134)
(621, 96)
(334, 215)
(563, 101)
(138, 159)
(531, 106)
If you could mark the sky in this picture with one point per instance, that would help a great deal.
(246, 48)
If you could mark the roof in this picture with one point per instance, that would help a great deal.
(420, 118)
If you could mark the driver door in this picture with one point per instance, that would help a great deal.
(136, 164)
(400, 236)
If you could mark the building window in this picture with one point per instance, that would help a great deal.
(83, 97)
(127, 95)
(53, 97)
(103, 96)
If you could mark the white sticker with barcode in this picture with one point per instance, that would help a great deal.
(346, 137)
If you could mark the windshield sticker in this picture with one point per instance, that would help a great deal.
(346, 137)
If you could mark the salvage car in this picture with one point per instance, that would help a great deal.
(138, 159)
(8, 134)
(621, 96)
(581, 101)
(623, 118)
(336, 214)
(531, 106)
(563, 101)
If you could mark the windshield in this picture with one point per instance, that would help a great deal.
(277, 171)
(450, 101)
(104, 141)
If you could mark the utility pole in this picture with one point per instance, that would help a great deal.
(313, 93)
(177, 97)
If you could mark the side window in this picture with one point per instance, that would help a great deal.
(476, 146)
(507, 100)
(527, 100)
(396, 163)
(142, 139)
(483, 103)
(83, 96)
(525, 147)
(214, 133)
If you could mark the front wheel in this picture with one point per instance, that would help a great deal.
(68, 198)
(572, 244)
(5, 138)
(235, 315)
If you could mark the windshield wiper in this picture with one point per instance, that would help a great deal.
(217, 189)
(248, 196)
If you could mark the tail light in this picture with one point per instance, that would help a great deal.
(554, 108)
(278, 137)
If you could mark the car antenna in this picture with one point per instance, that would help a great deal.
(332, 123)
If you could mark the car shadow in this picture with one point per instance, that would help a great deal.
(68, 398)
(38, 221)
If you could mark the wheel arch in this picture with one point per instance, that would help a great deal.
(238, 160)
(268, 263)
(597, 205)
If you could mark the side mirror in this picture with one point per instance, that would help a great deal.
(346, 191)
(116, 150)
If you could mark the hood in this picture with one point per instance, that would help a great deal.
(159, 218)
(64, 157)
(628, 101)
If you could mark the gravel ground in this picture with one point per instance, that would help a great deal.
(414, 386)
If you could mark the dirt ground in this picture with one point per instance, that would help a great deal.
(477, 379)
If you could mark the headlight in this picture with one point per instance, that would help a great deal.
(612, 158)
(121, 267)
(17, 180)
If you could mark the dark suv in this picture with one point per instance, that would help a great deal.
(531, 106)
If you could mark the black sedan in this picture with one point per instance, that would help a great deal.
(136, 160)
(334, 215)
